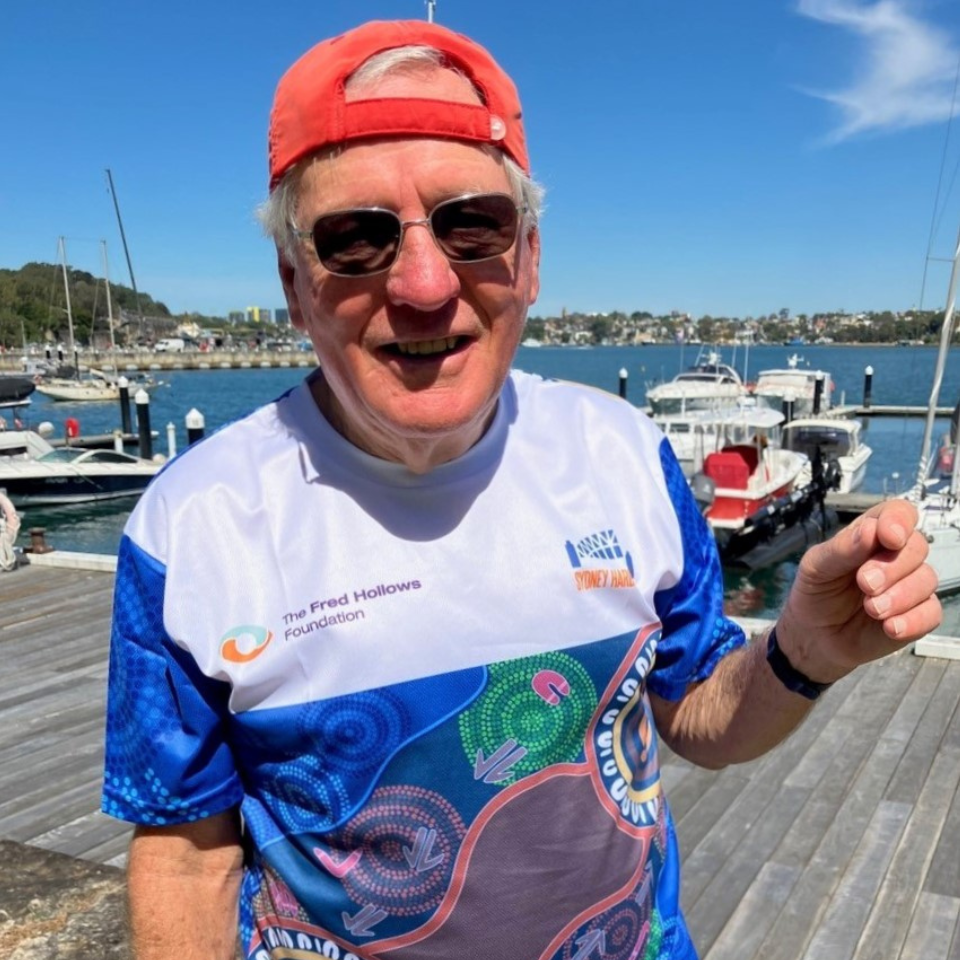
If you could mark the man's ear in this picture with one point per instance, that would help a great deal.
(533, 242)
(288, 278)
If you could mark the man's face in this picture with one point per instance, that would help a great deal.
(414, 358)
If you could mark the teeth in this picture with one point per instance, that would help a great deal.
(426, 347)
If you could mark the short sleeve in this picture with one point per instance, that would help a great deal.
(167, 757)
(696, 634)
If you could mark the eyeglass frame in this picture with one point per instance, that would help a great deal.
(521, 208)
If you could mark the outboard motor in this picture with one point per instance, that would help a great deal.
(704, 491)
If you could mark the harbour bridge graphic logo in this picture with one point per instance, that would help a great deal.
(244, 643)
(598, 561)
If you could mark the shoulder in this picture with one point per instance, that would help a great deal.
(246, 462)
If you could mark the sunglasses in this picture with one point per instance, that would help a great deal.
(367, 241)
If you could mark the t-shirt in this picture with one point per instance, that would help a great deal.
(427, 693)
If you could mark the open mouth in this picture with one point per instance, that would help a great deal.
(428, 348)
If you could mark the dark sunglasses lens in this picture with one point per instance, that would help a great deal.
(475, 228)
(357, 242)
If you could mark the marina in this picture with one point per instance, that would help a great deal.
(841, 843)
(900, 379)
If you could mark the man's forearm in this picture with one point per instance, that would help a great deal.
(183, 884)
(736, 715)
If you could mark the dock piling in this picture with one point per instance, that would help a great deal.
(144, 437)
(623, 383)
(195, 423)
(124, 384)
(867, 387)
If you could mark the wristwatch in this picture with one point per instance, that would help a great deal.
(787, 674)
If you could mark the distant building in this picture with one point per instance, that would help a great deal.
(258, 315)
(281, 316)
(236, 316)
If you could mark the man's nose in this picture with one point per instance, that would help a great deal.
(422, 276)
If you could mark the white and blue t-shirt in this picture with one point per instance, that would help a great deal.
(427, 694)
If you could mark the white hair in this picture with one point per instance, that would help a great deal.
(278, 213)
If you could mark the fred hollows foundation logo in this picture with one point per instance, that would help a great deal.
(599, 561)
(245, 643)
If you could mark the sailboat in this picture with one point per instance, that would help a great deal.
(935, 493)
(96, 385)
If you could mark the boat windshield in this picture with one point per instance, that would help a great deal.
(62, 455)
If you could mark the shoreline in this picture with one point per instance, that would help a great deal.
(145, 361)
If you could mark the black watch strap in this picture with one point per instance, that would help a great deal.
(787, 674)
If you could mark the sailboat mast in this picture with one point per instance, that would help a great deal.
(946, 335)
(106, 280)
(62, 250)
(126, 250)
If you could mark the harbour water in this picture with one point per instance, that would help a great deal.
(901, 376)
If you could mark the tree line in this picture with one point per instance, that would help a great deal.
(33, 307)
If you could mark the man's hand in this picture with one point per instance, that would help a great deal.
(863, 594)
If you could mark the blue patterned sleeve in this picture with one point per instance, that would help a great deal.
(167, 760)
(696, 634)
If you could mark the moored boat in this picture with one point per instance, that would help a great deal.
(836, 439)
(34, 472)
(751, 489)
(809, 391)
(705, 385)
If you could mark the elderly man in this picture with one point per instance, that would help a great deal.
(392, 656)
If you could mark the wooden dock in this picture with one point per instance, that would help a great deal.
(843, 844)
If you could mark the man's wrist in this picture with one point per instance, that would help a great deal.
(787, 674)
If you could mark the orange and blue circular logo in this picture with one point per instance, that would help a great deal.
(245, 643)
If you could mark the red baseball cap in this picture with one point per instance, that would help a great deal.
(310, 110)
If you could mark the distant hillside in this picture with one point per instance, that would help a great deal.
(33, 305)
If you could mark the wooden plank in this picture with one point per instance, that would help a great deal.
(750, 922)
(935, 926)
(689, 791)
(46, 815)
(925, 743)
(51, 765)
(943, 877)
(87, 833)
(845, 917)
(753, 830)
(915, 701)
(722, 793)
(895, 903)
(824, 869)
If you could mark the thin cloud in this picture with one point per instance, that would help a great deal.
(905, 76)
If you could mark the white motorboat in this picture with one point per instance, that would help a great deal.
(808, 390)
(34, 472)
(835, 438)
(707, 384)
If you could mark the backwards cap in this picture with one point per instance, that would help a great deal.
(310, 110)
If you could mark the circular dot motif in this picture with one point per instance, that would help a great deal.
(618, 934)
(408, 838)
(308, 797)
(356, 733)
(542, 704)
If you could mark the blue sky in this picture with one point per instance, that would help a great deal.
(724, 158)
